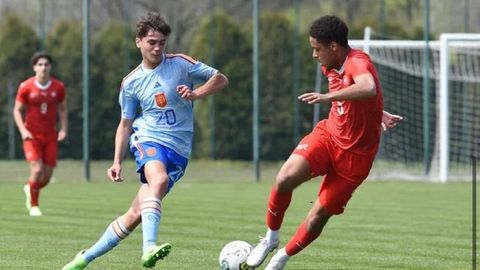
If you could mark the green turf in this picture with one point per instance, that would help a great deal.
(387, 225)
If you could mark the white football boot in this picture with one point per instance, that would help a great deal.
(278, 261)
(260, 252)
(35, 211)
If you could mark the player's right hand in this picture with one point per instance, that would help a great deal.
(26, 135)
(314, 97)
(114, 173)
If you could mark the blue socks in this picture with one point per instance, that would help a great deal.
(112, 236)
(151, 211)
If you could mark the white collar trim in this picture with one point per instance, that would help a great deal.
(45, 86)
(342, 68)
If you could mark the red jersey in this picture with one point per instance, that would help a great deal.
(355, 125)
(41, 102)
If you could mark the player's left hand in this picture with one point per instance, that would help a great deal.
(390, 120)
(62, 134)
(314, 97)
(186, 93)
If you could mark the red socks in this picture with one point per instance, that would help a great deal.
(35, 191)
(277, 205)
(300, 240)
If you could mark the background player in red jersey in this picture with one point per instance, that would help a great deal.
(40, 98)
(341, 148)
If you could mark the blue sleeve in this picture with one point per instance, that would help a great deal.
(128, 102)
(200, 72)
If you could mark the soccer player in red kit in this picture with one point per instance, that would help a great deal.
(41, 99)
(341, 148)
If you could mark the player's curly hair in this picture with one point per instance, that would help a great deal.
(330, 28)
(39, 55)
(152, 21)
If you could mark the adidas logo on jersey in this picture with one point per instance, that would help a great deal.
(157, 85)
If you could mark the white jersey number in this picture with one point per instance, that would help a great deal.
(43, 108)
(340, 108)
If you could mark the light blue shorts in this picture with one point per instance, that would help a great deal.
(146, 151)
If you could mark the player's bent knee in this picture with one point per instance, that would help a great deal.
(317, 218)
(158, 183)
(285, 183)
(159, 180)
(37, 176)
(44, 182)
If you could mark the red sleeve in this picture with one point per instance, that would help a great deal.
(61, 93)
(22, 94)
(359, 66)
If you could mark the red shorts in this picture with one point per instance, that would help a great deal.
(42, 147)
(343, 171)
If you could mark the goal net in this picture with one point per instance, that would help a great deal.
(441, 127)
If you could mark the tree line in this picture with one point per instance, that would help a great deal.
(223, 124)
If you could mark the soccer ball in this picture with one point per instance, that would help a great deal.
(234, 256)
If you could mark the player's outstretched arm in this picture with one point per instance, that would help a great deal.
(364, 87)
(121, 142)
(390, 120)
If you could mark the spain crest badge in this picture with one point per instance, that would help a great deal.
(161, 100)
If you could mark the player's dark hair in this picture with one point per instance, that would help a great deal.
(39, 55)
(152, 21)
(330, 28)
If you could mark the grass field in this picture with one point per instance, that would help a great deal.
(387, 225)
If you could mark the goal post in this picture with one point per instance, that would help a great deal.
(454, 99)
(462, 40)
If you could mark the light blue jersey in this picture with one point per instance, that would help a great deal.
(165, 117)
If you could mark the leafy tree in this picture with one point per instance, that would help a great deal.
(115, 55)
(308, 68)
(18, 42)
(233, 107)
(276, 84)
(64, 43)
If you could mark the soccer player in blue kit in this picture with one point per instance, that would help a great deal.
(160, 137)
